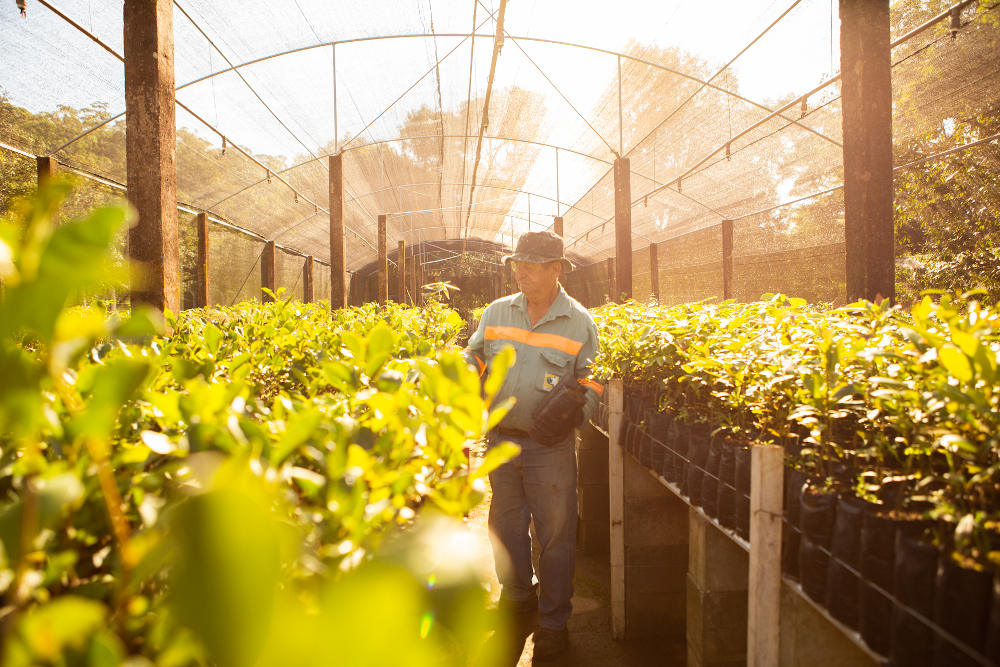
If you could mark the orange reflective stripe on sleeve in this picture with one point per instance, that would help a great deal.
(596, 386)
(556, 342)
(480, 363)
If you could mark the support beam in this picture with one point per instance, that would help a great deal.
(383, 262)
(764, 588)
(308, 287)
(268, 270)
(654, 271)
(611, 279)
(414, 260)
(338, 243)
(623, 231)
(48, 167)
(866, 86)
(201, 297)
(727, 259)
(150, 149)
(401, 271)
(616, 489)
(557, 226)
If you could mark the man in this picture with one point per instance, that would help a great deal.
(555, 339)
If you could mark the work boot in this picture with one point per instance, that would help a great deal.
(550, 644)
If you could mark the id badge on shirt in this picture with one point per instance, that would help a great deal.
(550, 381)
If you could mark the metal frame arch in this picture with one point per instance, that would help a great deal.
(320, 158)
(541, 40)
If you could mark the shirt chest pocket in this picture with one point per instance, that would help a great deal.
(554, 366)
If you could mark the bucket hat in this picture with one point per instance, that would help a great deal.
(539, 248)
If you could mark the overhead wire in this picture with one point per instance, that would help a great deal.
(485, 119)
(250, 157)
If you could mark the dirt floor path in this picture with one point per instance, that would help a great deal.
(591, 644)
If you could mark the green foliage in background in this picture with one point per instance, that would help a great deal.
(262, 484)
(900, 407)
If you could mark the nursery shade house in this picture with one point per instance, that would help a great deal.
(723, 145)
(811, 472)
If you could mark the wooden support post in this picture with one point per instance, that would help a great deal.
(866, 95)
(557, 226)
(338, 239)
(654, 271)
(201, 298)
(414, 260)
(401, 271)
(150, 149)
(268, 270)
(623, 231)
(616, 488)
(727, 259)
(767, 465)
(47, 167)
(383, 262)
(611, 279)
(308, 288)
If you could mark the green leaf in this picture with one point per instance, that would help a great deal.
(499, 411)
(69, 621)
(498, 371)
(956, 363)
(225, 574)
(113, 385)
(495, 457)
(298, 430)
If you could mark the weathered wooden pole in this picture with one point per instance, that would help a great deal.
(383, 262)
(611, 279)
(654, 271)
(308, 288)
(623, 231)
(401, 271)
(616, 499)
(866, 94)
(414, 260)
(764, 591)
(201, 298)
(338, 239)
(727, 259)
(557, 226)
(267, 270)
(47, 168)
(150, 149)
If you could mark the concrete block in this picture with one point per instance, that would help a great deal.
(716, 562)
(659, 615)
(716, 624)
(593, 537)
(809, 638)
(592, 467)
(641, 580)
(593, 502)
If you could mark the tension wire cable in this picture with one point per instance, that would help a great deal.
(782, 109)
(347, 143)
(121, 58)
(484, 121)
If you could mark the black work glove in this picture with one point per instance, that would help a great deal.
(559, 412)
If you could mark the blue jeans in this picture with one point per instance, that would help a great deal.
(539, 484)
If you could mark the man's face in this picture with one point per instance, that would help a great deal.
(536, 280)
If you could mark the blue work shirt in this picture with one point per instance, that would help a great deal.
(564, 340)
